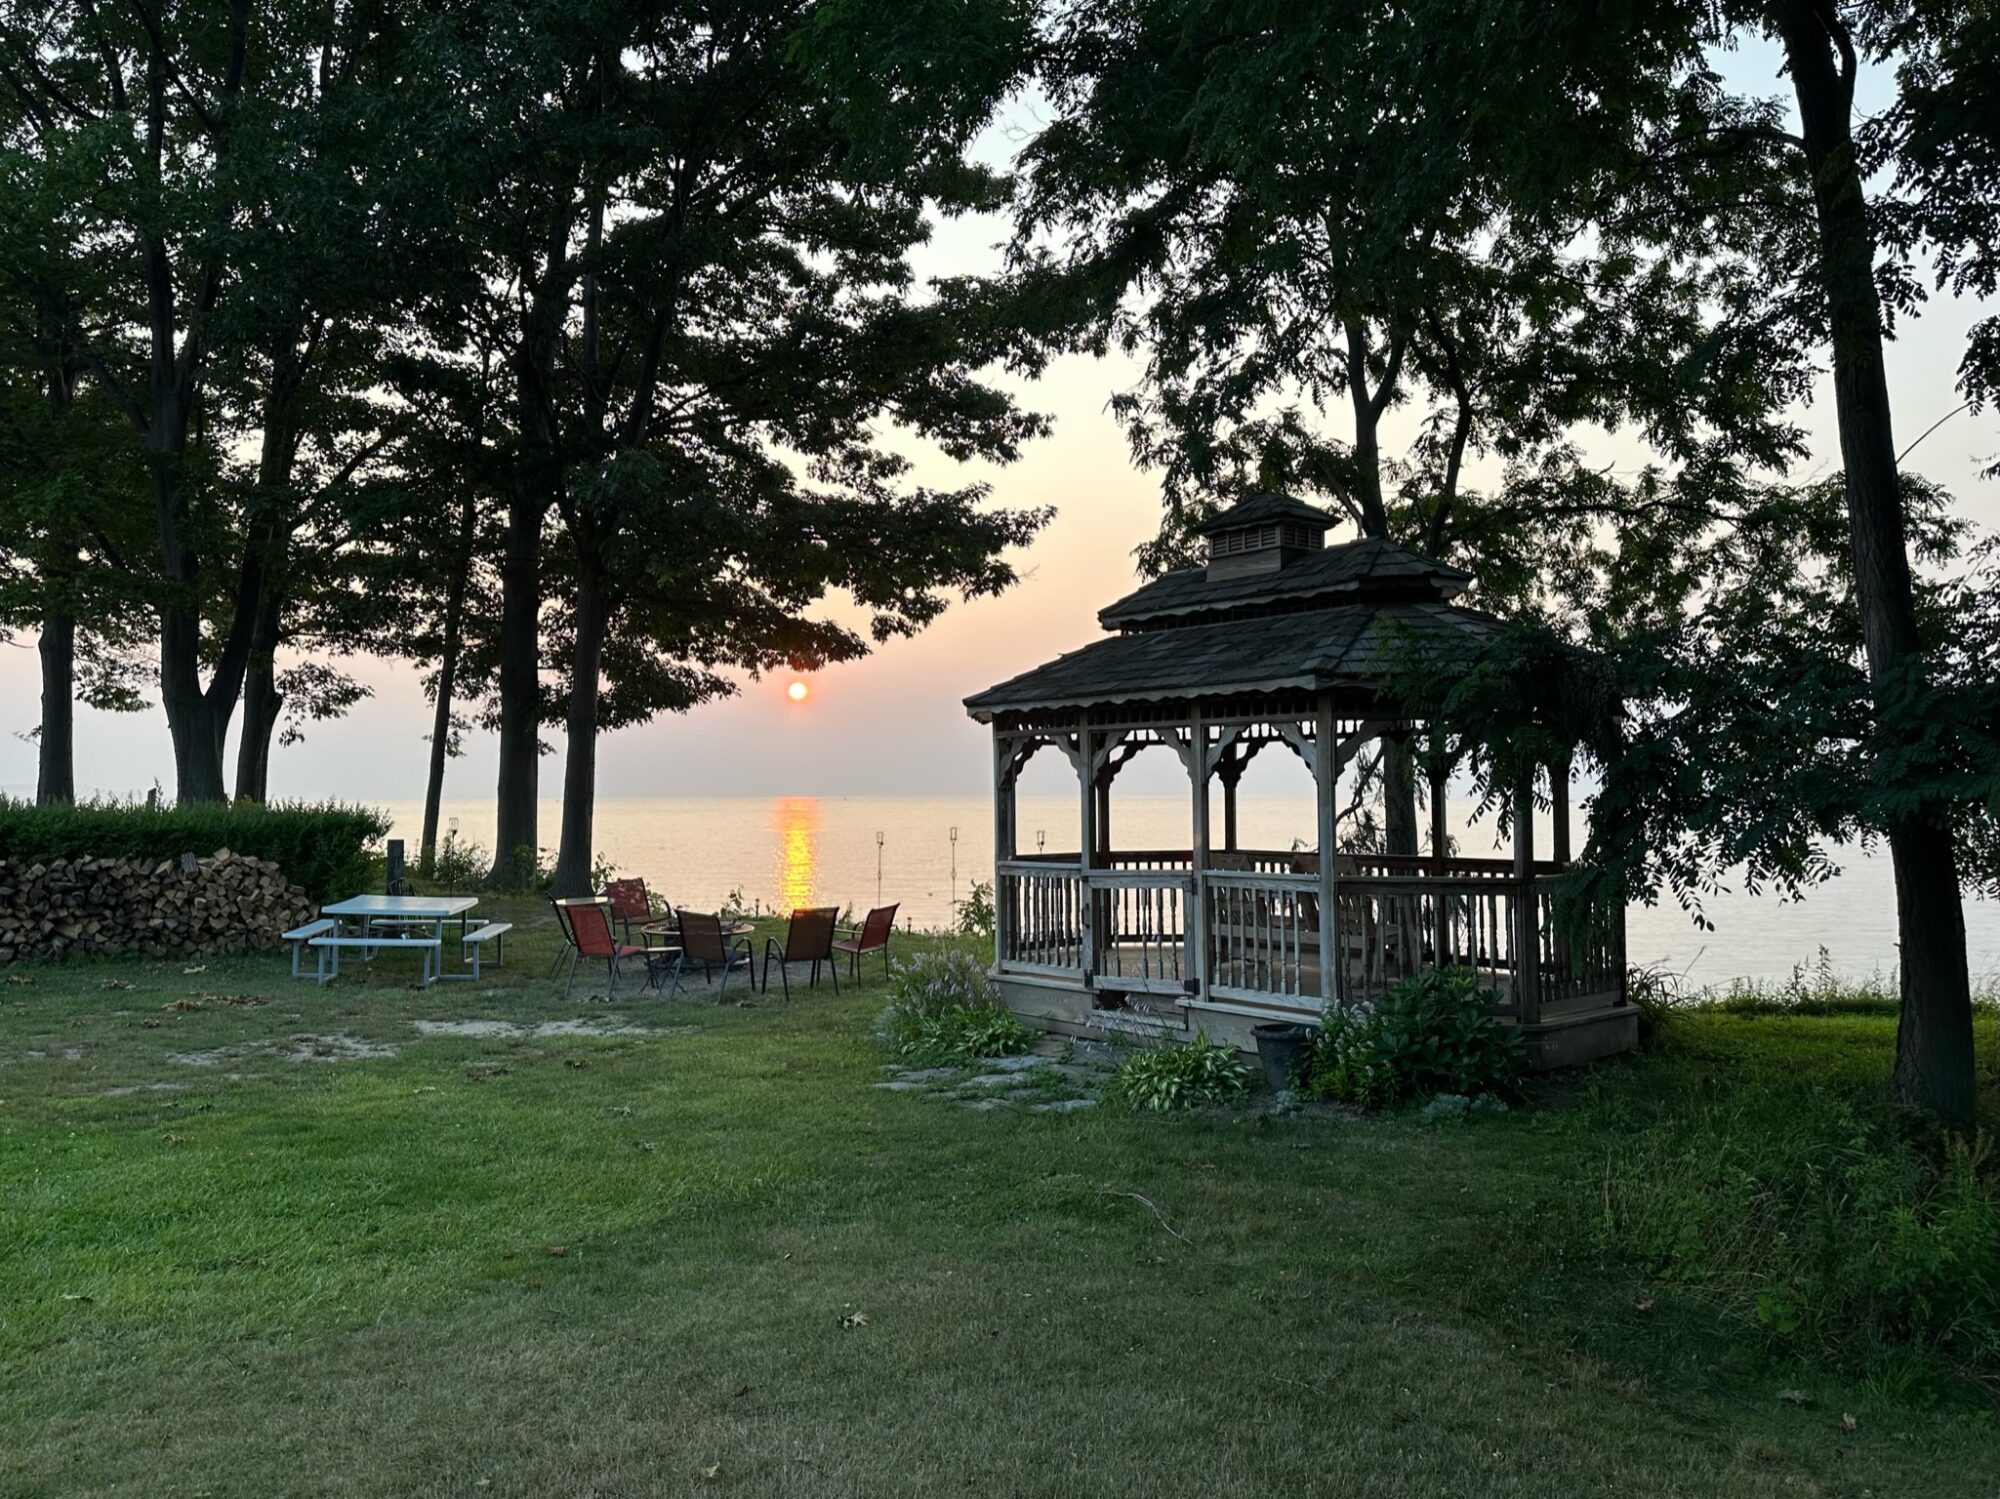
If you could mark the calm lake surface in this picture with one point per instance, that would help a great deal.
(790, 851)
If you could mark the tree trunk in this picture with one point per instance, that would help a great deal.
(56, 779)
(262, 702)
(1399, 796)
(520, 693)
(447, 685)
(1934, 1055)
(573, 858)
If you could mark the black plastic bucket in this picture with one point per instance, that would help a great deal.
(1283, 1047)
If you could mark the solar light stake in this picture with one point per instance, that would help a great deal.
(954, 868)
(878, 869)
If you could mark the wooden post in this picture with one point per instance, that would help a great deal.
(1232, 772)
(1527, 909)
(1103, 794)
(1086, 771)
(1441, 953)
(1326, 777)
(1003, 841)
(1196, 915)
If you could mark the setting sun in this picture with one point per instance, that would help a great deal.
(797, 692)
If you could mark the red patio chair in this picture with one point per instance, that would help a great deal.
(808, 939)
(871, 936)
(629, 903)
(703, 941)
(590, 929)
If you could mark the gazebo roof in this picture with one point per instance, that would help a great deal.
(1346, 645)
(1264, 509)
(1366, 569)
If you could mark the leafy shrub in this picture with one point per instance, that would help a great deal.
(322, 846)
(459, 866)
(939, 1011)
(1185, 1075)
(975, 913)
(1434, 1033)
(1816, 1220)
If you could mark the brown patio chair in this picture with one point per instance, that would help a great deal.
(704, 941)
(808, 939)
(871, 936)
(592, 937)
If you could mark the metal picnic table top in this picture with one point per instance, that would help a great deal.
(419, 907)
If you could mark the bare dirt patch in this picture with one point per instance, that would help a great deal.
(501, 1029)
(301, 1048)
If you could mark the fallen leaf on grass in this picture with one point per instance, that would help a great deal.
(1847, 1421)
(196, 968)
(742, 1392)
(117, 984)
(576, 1063)
(182, 1004)
(1643, 1304)
(19, 978)
(558, 1250)
(1795, 1397)
(647, 1144)
(76, 1296)
(151, 1024)
(175, 1139)
(713, 1470)
(854, 1319)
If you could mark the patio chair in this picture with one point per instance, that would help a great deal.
(568, 950)
(629, 903)
(703, 941)
(808, 939)
(591, 937)
(871, 936)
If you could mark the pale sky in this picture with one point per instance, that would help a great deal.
(892, 723)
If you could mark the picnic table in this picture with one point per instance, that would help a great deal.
(403, 912)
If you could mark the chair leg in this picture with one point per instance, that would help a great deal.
(833, 972)
(569, 982)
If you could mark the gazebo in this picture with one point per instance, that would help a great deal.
(1280, 640)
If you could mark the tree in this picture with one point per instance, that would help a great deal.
(68, 490)
(711, 308)
(1934, 1068)
(1307, 268)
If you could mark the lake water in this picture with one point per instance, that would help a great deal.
(787, 851)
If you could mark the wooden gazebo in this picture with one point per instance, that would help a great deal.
(1280, 640)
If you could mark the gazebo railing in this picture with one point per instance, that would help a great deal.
(1255, 934)
(1263, 935)
(1038, 907)
(1139, 924)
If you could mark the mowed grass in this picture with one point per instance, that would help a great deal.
(712, 1257)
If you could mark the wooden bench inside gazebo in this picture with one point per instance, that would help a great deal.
(1280, 642)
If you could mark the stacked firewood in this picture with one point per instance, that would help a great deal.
(177, 907)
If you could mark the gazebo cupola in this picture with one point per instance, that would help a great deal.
(1277, 643)
(1262, 534)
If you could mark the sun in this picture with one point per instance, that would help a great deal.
(797, 692)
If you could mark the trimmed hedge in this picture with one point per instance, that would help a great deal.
(324, 846)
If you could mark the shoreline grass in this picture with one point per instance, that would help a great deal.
(701, 1252)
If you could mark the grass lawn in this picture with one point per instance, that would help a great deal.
(708, 1255)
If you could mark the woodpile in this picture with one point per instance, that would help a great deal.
(178, 907)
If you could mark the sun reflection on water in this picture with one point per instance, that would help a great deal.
(795, 822)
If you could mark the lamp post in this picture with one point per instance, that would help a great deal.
(878, 869)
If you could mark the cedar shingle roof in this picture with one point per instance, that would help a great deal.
(1353, 644)
(1351, 571)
